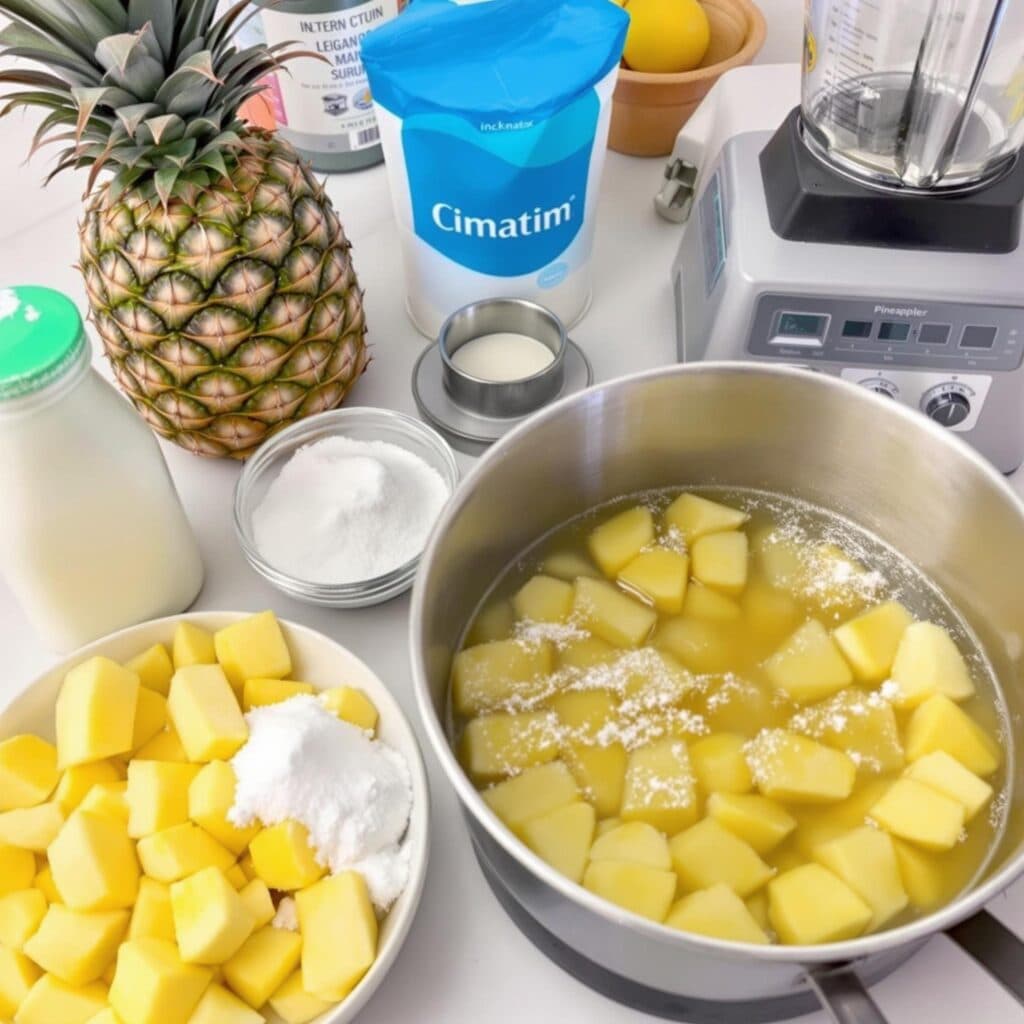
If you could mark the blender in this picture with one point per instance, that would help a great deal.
(861, 215)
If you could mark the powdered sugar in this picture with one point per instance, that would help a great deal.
(353, 793)
(287, 916)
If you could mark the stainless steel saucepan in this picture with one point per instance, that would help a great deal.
(887, 468)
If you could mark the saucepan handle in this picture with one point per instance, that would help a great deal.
(844, 996)
(995, 948)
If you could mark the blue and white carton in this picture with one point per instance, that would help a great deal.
(494, 121)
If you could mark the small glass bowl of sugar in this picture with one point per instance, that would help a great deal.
(336, 510)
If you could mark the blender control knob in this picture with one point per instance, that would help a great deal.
(880, 389)
(949, 408)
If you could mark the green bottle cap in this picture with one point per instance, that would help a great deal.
(40, 337)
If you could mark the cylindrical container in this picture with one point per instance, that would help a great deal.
(323, 107)
(92, 533)
(921, 94)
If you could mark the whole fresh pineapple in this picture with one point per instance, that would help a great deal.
(218, 273)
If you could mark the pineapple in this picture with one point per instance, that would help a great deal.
(218, 274)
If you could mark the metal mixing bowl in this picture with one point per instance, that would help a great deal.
(885, 467)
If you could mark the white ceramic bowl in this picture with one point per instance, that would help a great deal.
(317, 660)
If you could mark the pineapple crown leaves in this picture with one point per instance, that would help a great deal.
(148, 89)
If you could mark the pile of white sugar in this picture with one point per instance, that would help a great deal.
(353, 793)
(342, 510)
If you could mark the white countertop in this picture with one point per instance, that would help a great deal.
(464, 961)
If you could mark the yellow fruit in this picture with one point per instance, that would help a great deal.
(157, 795)
(720, 764)
(205, 714)
(916, 812)
(150, 717)
(950, 778)
(210, 796)
(717, 912)
(219, 1006)
(284, 858)
(256, 897)
(44, 883)
(533, 793)
(152, 916)
(17, 976)
(20, 915)
(28, 771)
(94, 864)
(720, 559)
(869, 641)
(693, 516)
(108, 799)
(211, 920)
(51, 999)
(586, 653)
(95, 712)
(633, 843)
(809, 666)
(708, 853)
(643, 890)
(757, 820)
(153, 986)
(494, 746)
(351, 705)
(700, 645)
(294, 1005)
(31, 828)
(939, 724)
(583, 713)
(707, 603)
(562, 837)
(660, 576)
(771, 614)
(600, 773)
(757, 906)
(543, 599)
(612, 615)
(76, 947)
(793, 768)
(192, 645)
(154, 668)
(659, 787)
(257, 693)
(489, 675)
(260, 967)
(236, 876)
(860, 724)
(494, 622)
(620, 539)
(928, 662)
(17, 868)
(810, 905)
(923, 875)
(76, 782)
(254, 648)
(180, 851)
(164, 746)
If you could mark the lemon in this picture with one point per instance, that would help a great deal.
(666, 35)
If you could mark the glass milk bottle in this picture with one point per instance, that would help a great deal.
(92, 533)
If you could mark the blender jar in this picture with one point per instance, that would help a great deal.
(918, 94)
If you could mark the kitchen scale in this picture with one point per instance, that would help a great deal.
(861, 216)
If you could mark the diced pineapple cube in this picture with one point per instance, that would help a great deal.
(256, 897)
(43, 881)
(694, 516)
(809, 666)
(660, 787)
(650, 678)
(612, 615)
(606, 825)
(635, 842)
(701, 646)
(254, 648)
(77, 947)
(708, 853)
(720, 561)
(660, 576)
(584, 713)
(870, 640)
(717, 912)
(494, 746)
(793, 768)
(920, 814)
(153, 986)
(562, 837)
(211, 920)
(164, 746)
(76, 782)
(339, 932)
(17, 868)
(157, 795)
(809, 905)
(493, 622)
(294, 1005)
(260, 967)
(586, 653)
(108, 799)
(95, 712)
(150, 717)
(720, 764)
(757, 907)
(236, 876)
(152, 917)
(219, 1006)
(620, 539)
(351, 705)
(93, 863)
(284, 857)
(205, 713)
(51, 999)
(180, 851)
(600, 773)
(489, 675)
(154, 668)
(704, 602)
(928, 662)
(543, 599)
(861, 724)
(31, 828)
(643, 890)
(949, 777)
(28, 771)
(923, 875)
(210, 797)
(107, 1016)
(771, 615)
(257, 693)
(760, 822)
(818, 824)
(939, 724)
(192, 645)
(531, 794)
(20, 915)
(17, 975)
(865, 860)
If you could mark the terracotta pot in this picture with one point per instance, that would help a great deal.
(649, 109)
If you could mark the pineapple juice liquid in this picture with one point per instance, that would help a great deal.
(805, 563)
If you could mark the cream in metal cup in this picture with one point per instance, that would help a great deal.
(503, 398)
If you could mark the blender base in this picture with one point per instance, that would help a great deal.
(808, 201)
(631, 993)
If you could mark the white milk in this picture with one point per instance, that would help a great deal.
(502, 356)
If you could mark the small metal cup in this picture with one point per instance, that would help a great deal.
(500, 398)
